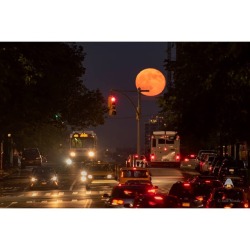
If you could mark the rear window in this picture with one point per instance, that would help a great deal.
(135, 173)
(31, 153)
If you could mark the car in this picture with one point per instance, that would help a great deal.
(184, 192)
(236, 171)
(203, 185)
(217, 162)
(227, 196)
(124, 195)
(205, 165)
(156, 201)
(31, 157)
(134, 173)
(96, 171)
(189, 161)
(44, 177)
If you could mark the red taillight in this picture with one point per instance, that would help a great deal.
(199, 198)
(186, 159)
(177, 157)
(152, 190)
(152, 157)
(165, 149)
(245, 205)
(192, 156)
(207, 181)
(159, 198)
(116, 202)
(186, 184)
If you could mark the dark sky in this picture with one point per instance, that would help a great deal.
(115, 65)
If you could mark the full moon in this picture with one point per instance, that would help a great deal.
(152, 80)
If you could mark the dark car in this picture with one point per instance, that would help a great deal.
(124, 195)
(236, 171)
(156, 201)
(44, 177)
(203, 185)
(31, 157)
(227, 196)
(186, 197)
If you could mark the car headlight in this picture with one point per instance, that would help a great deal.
(54, 178)
(33, 179)
(90, 176)
(68, 161)
(83, 178)
(109, 176)
(73, 154)
(84, 173)
(91, 154)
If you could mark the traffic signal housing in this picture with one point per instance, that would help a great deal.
(112, 105)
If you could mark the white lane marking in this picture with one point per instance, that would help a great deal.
(61, 193)
(28, 201)
(47, 194)
(75, 192)
(44, 201)
(74, 200)
(71, 187)
(88, 203)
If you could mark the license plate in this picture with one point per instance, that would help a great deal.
(44, 183)
(186, 204)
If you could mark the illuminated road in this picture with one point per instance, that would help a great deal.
(15, 191)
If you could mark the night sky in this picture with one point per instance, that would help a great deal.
(115, 65)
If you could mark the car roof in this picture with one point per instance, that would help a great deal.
(133, 168)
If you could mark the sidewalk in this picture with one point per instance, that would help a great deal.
(6, 172)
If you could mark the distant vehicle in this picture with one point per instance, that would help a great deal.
(165, 149)
(133, 174)
(206, 164)
(227, 196)
(82, 147)
(137, 161)
(201, 155)
(189, 161)
(31, 157)
(44, 177)
(124, 195)
(96, 171)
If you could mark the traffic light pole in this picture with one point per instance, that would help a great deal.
(138, 115)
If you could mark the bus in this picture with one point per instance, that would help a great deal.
(82, 147)
(165, 149)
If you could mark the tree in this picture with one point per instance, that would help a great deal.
(39, 80)
(209, 102)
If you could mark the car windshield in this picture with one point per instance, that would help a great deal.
(44, 171)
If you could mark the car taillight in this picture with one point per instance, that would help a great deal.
(177, 157)
(159, 198)
(199, 198)
(186, 159)
(116, 202)
(152, 157)
(152, 190)
(245, 205)
(186, 184)
(207, 181)
(192, 156)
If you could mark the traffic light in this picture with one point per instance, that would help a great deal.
(112, 105)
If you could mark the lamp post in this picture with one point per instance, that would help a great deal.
(138, 118)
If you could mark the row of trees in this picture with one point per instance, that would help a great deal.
(209, 102)
(42, 92)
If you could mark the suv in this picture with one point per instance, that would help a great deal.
(31, 157)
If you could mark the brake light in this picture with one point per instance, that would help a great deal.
(116, 202)
(152, 157)
(151, 190)
(186, 159)
(159, 198)
(207, 181)
(245, 205)
(177, 157)
(199, 198)
(165, 149)
(192, 156)
(186, 184)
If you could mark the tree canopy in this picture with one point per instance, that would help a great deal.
(209, 102)
(41, 87)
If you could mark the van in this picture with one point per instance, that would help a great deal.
(31, 157)
(127, 174)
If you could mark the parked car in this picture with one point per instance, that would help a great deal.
(31, 157)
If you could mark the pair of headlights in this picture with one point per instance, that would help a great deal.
(54, 178)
